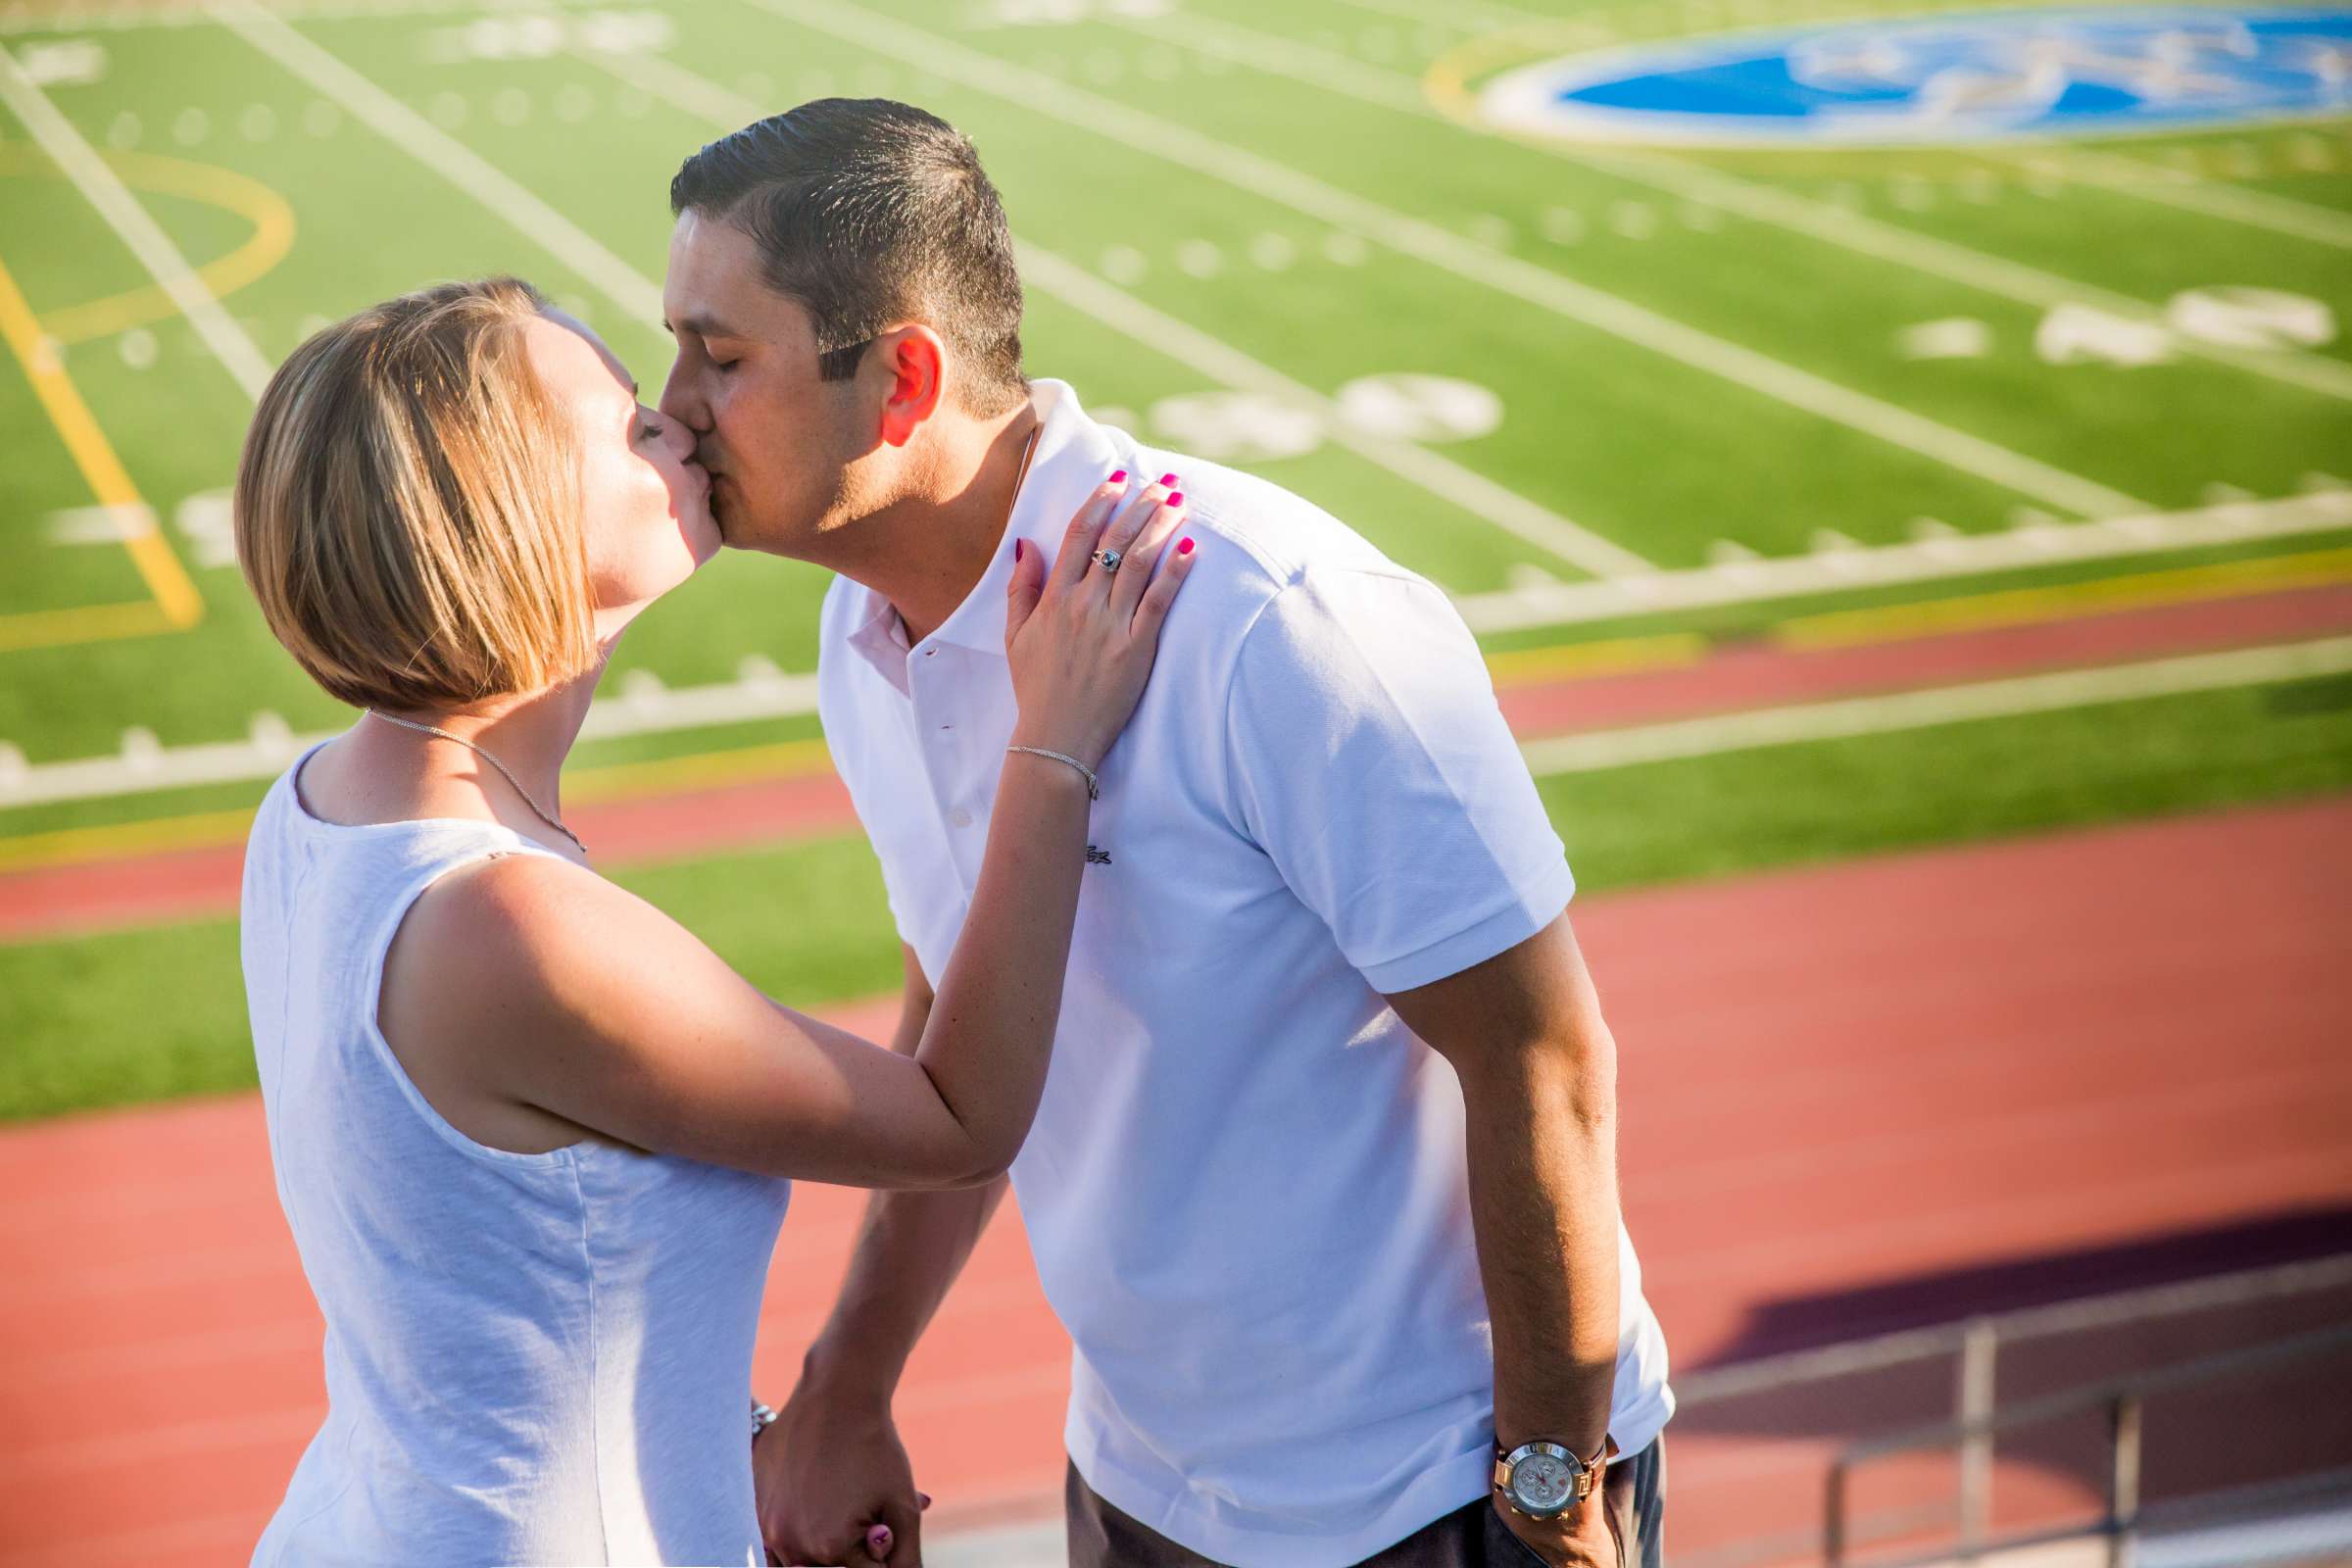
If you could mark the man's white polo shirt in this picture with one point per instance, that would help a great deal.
(1246, 1187)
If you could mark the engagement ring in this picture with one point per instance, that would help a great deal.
(1109, 561)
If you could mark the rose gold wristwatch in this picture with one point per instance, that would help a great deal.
(1545, 1480)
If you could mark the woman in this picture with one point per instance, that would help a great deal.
(532, 1136)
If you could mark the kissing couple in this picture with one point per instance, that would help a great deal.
(1234, 931)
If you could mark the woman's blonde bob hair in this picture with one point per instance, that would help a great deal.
(408, 507)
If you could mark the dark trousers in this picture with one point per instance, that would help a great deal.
(1473, 1536)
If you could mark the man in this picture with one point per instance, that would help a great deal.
(1323, 1184)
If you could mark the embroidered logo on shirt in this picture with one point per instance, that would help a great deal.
(1095, 857)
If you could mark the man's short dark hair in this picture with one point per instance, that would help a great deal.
(870, 213)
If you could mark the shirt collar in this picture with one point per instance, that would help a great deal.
(1073, 455)
(880, 639)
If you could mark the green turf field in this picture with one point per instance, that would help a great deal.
(1596, 392)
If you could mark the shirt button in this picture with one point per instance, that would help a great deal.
(960, 818)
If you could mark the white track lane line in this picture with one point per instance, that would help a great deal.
(1221, 361)
(96, 179)
(2173, 187)
(636, 296)
(1945, 704)
(1768, 204)
(1178, 144)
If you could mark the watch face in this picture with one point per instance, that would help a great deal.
(1542, 1482)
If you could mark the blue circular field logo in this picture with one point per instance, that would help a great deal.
(1971, 77)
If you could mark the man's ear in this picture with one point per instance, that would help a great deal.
(918, 364)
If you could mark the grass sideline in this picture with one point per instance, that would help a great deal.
(809, 923)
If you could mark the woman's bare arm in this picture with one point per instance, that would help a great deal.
(529, 982)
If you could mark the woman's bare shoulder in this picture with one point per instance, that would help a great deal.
(504, 973)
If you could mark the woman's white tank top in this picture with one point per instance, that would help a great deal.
(530, 1358)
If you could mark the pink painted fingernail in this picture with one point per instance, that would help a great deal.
(1175, 498)
(1016, 547)
(1119, 477)
(1167, 478)
(922, 1499)
(1185, 549)
(877, 1540)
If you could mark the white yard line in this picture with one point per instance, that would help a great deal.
(1439, 476)
(1992, 274)
(96, 180)
(1745, 582)
(1762, 203)
(1177, 143)
(1945, 705)
(2173, 187)
(637, 296)
(131, 16)
(1221, 361)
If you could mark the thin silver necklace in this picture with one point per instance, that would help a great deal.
(484, 755)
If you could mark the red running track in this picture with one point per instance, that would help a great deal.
(1833, 1080)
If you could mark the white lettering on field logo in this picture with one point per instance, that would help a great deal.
(1947, 79)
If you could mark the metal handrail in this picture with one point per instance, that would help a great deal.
(2124, 1398)
(1764, 1374)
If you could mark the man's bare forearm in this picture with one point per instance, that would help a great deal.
(1543, 1142)
(1539, 1075)
(910, 1247)
(910, 1250)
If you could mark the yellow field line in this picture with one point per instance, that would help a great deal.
(120, 840)
(620, 781)
(2020, 606)
(272, 238)
(83, 623)
(174, 593)
(623, 781)
(1616, 655)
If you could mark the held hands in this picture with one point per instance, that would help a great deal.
(1081, 640)
(833, 1485)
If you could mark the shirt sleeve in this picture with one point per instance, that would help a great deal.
(1369, 760)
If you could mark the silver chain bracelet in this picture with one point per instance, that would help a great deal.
(1094, 784)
